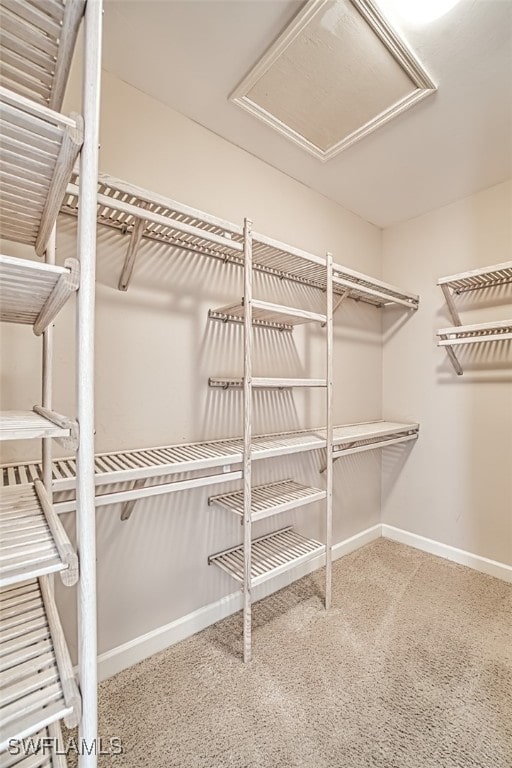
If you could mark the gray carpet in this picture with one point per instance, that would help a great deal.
(412, 668)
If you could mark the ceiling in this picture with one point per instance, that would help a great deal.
(192, 54)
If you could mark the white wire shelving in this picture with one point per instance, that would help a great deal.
(38, 686)
(272, 555)
(33, 293)
(260, 382)
(121, 467)
(39, 147)
(267, 315)
(270, 499)
(142, 214)
(31, 425)
(485, 278)
(33, 541)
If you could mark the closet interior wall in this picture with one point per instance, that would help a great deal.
(459, 473)
(156, 349)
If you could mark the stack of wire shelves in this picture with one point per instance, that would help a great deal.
(38, 149)
(139, 214)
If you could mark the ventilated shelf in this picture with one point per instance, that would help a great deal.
(267, 315)
(38, 38)
(34, 293)
(478, 333)
(486, 277)
(271, 555)
(38, 148)
(265, 383)
(151, 463)
(370, 290)
(36, 677)
(26, 425)
(44, 749)
(356, 438)
(475, 334)
(33, 541)
(269, 499)
(144, 214)
(140, 213)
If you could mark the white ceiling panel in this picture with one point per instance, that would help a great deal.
(192, 54)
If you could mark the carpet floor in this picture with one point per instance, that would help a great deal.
(412, 668)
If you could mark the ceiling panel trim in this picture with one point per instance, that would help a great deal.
(421, 80)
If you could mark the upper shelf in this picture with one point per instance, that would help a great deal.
(32, 292)
(267, 315)
(144, 214)
(38, 40)
(370, 290)
(486, 277)
(38, 149)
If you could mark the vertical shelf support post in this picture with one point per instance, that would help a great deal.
(86, 521)
(247, 405)
(47, 389)
(329, 435)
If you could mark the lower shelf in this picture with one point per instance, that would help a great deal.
(271, 555)
(269, 499)
(36, 678)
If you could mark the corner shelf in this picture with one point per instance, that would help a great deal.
(33, 293)
(475, 280)
(270, 499)
(361, 287)
(37, 682)
(271, 555)
(33, 541)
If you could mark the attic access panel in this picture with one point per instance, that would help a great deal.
(337, 72)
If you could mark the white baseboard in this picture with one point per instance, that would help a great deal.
(127, 654)
(477, 562)
(124, 656)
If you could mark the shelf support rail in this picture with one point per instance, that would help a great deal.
(47, 385)
(329, 430)
(85, 485)
(247, 405)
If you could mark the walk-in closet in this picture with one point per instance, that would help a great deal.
(256, 383)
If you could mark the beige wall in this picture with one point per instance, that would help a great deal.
(456, 485)
(155, 349)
